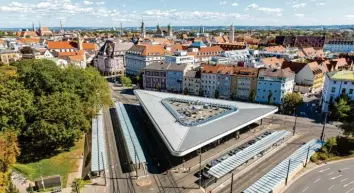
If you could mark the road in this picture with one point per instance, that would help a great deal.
(245, 180)
(336, 177)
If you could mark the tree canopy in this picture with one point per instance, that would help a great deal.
(291, 101)
(8, 152)
(126, 81)
(341, 108)
(26, 50)
(48, 106)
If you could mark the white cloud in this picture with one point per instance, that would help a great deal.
(299, 5)
(253, 6)
(100, 3)
(299, 15)
(223, 2)
(277, 11)
(321, 3)
(349, 16)
(234, 4)
(88, 2)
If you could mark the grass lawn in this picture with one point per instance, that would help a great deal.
(63, 164)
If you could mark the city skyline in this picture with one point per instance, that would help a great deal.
(106, 13)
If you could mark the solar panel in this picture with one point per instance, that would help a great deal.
(98, 144)
(278, 174)
(246, 154)
(135, 151)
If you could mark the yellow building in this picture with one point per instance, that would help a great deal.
(7, 56)
(243, 81)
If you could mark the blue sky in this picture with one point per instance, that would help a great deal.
(107, 13)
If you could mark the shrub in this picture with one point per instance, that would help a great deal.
(314, 158)
(323, 156)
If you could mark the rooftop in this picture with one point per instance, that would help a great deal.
(341, 75)
(186, 123)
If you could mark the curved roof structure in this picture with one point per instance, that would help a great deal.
(187, 123)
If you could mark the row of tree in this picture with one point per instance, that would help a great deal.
(48, 107)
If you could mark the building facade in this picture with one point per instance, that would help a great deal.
(110, 59)
(311, 75)
(223, 85)
(179, 57)
(192, 83)
(340, 45)
(243, 81)
(155, 77)
(7, 56)
(140, 56)
(209, 80)
(274, 84)
(175, 77)
(336, 84)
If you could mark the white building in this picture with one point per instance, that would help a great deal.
(140, 56)
(343, 46)
(336, 84)
(180, 57)
(209, 80)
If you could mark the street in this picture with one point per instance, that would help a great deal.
(335, 177)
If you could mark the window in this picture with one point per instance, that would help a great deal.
(345, 82)
(350, 91)
(343, 90)
(333, 89)
(334, 82)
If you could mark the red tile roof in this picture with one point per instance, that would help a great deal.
(62, 45)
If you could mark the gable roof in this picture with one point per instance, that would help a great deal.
(61, 45)
(273, 62)
(277, 49)
(147, 50)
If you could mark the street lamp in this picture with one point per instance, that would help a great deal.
(294, 129)
(324, 125)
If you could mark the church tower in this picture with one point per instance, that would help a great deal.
(61, 28)
(169, 30)
(33, 27)
(39, 29)
(232, 34)
(79, 42)
(143, 30)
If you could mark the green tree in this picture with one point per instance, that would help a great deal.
(341, 109)
(292, 101)
(331, 142)
(186, 91)
(348, 128)
(16, 102)
(80, 183)
(26, 50)
(8, 152)
(217, 94)
(58, 121)
(252, 96)
(126, 81)
(270, 95)
(59, 106)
